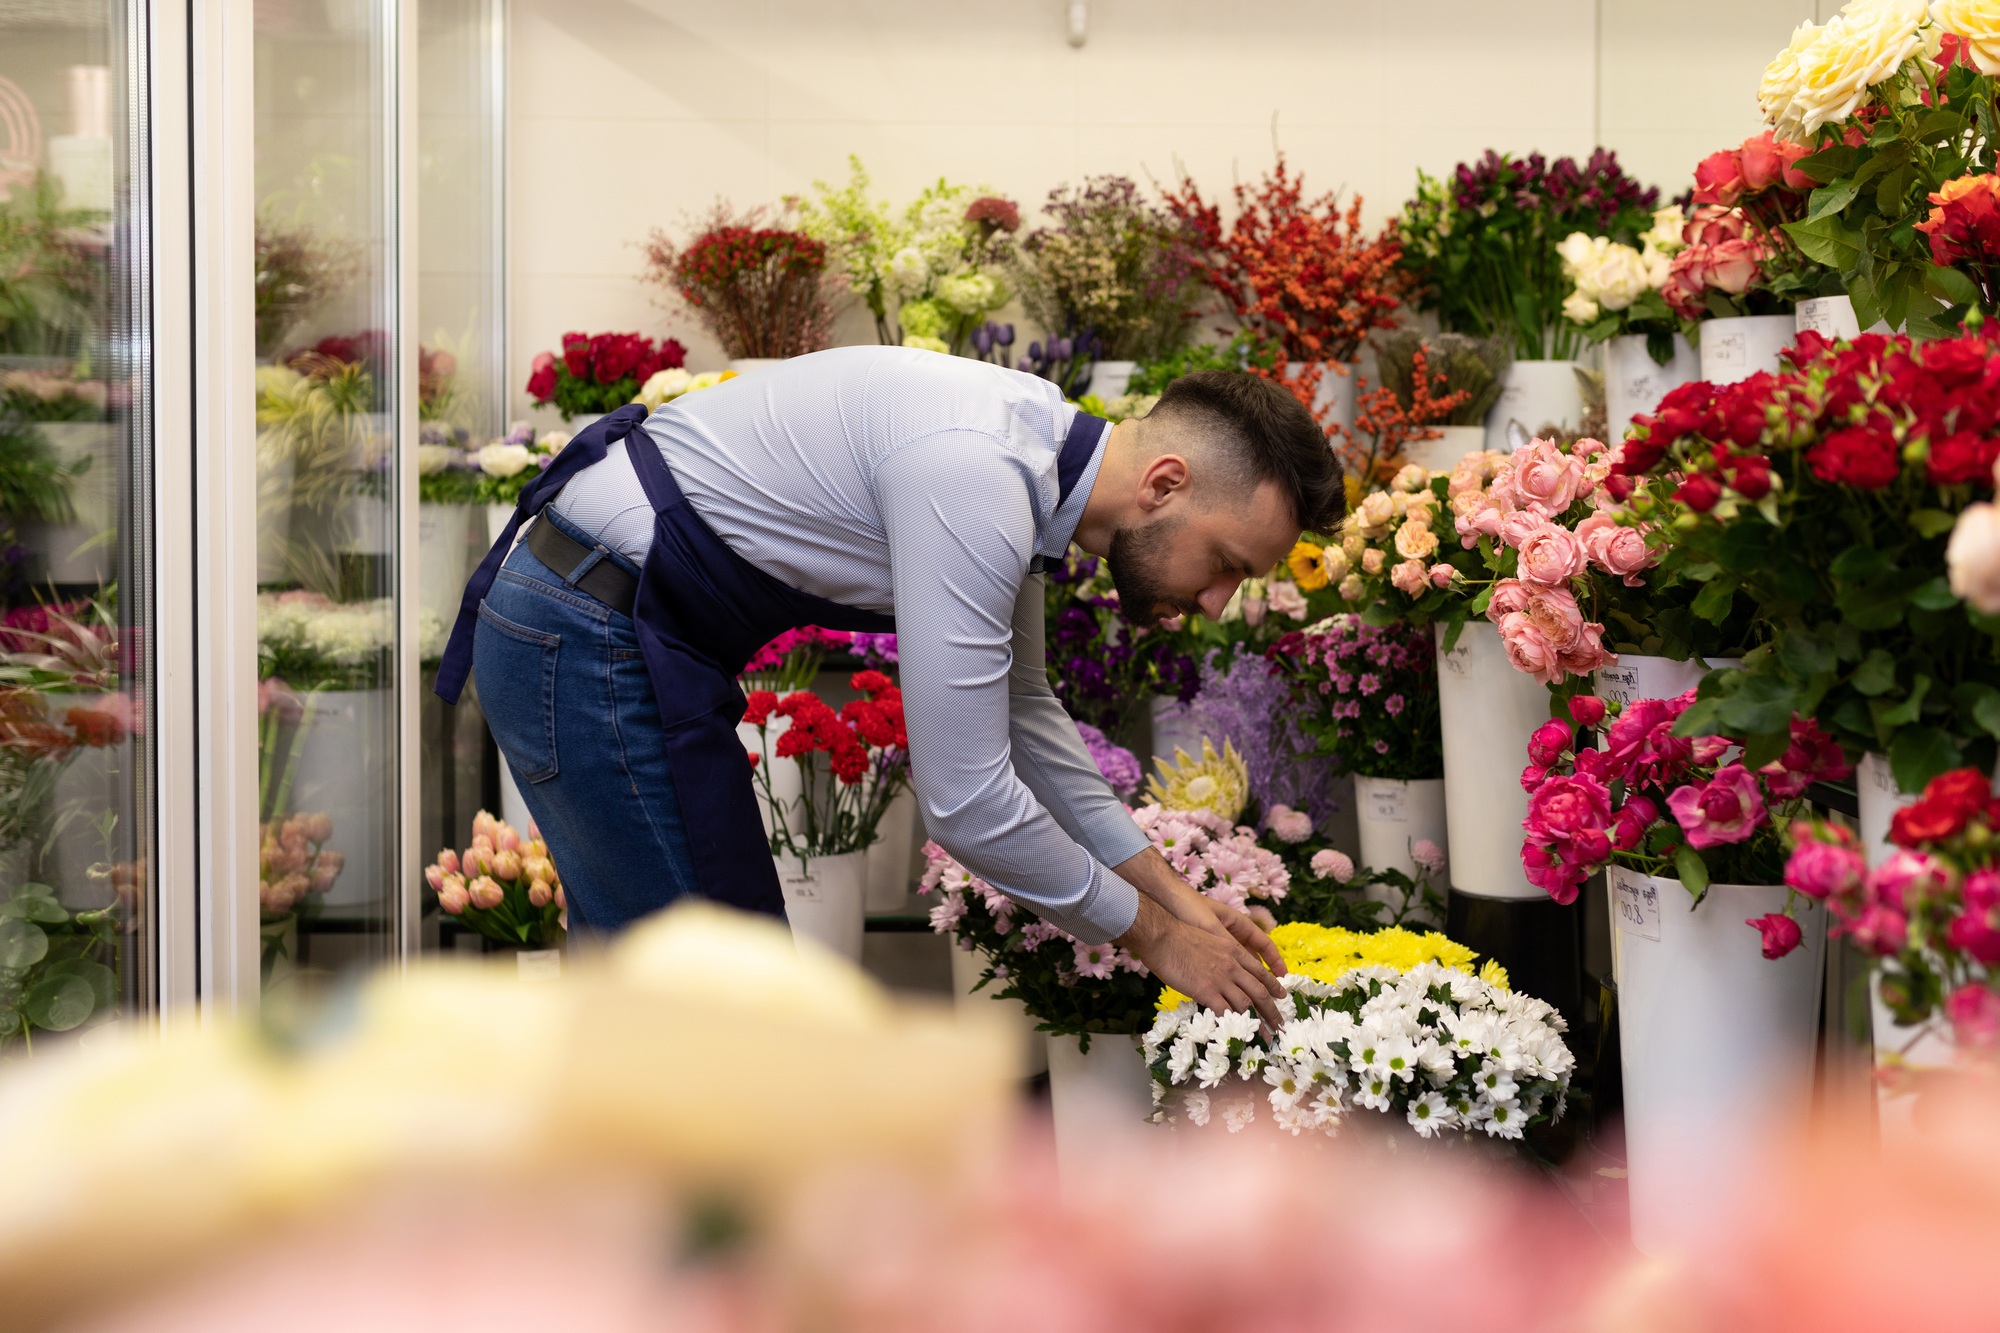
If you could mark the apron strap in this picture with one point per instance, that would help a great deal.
(585, 449)
(1078, 448)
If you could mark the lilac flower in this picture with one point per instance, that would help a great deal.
(1118, 764)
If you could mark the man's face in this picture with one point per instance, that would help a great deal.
(1190, 557)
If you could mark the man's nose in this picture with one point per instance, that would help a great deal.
(1216, 596)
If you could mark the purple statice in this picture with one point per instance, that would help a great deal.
(1248, 704)
(877, 650)
(1119, 765)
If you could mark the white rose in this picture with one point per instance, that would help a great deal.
(1973, 557)
(434, 458)
(1978, 21)
(503, 460)
(1580, 252)
(663, 387)
(1779, 88)
(1658, 264)
(1620, 277)
(552, 441)
(1579, 309)
(1858, 48)
(1667, 235)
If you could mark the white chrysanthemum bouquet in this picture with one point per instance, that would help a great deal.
(1447, 1049)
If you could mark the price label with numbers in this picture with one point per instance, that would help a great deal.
(1635, 903)
(1387, 802)
(801, 888)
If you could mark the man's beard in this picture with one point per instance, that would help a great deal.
(1135, 560)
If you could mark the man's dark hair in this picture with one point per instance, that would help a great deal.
(1259, 432)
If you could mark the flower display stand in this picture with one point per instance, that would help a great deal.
(1738, 347)
(1111, 379)
(1635, 383)
(1452, 444)
(1717, 1047)
(1095, 1095)
(1535, 394)
(966, 965)
(1488, 710)
(825, 900)
(1393, 817)
(890, 855)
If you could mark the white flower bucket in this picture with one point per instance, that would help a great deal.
(1333, 399)
(1738, 347)
(966, 965)
(824, 900)
(1394, 816)
(1635, 383)
(1174, 726)
(539, 964)
(1452, 444)
(1830, 316)
(444, 557)
(1535, 394)
(76, 552)
(1109, 379)
(1095, 1096)
(891, 854)
(1639, 676)
(339, 774)
(1488, 710)
(1880, 799)
(743, 365)
(788, 784)
(1717, 1045)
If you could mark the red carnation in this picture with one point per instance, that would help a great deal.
(757, 711)
(870, 682)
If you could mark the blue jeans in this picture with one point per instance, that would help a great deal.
(565, 690)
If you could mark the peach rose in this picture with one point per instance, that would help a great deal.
(1551, 555)
(1415, 540)
(1410, 577)
(1616, 549)
(1587, 654)
(1509, 596)
(1475, 515)
(1528, 650)
(1442, 575)
(1556, 614)
(1546, 479)
(1371, 561)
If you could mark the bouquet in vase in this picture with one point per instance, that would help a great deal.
(1659, 803)
(1618, 288)
(1392, 1023)
(504, 886)
(843, 795)
(759, 291)
(598, 373)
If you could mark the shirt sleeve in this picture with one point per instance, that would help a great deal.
(956, 509)
(1049, 755)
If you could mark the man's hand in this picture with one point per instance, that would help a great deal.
(1200, 947)
(1202, 961)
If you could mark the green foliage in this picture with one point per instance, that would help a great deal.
(1241, 352)
(51, 274)
(34, 483)
(58, 968)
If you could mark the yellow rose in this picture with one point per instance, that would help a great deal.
(1978, 22)
(1308, 565)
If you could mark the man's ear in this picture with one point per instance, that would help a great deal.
(1162, 477)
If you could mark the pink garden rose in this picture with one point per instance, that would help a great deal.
(1881, 930)
(1476, 514)
(1529, 650)
(1618, 550)
(1821, 870)
(1410, 577)
(1904, 878)
(1727, 809)
(1781, 933)
(1545, 479)
(1549, 741)
(1550, 554)
(1441, 576)
(1509, 596)
(1569, 813)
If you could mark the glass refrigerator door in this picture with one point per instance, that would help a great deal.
(77, 902)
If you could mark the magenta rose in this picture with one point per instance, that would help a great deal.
(1781, 933)
(1727, 809)
(1570, 813)
(1906, 878)
(1549, 741)
(1821, 870)
(1550, 555)
(1586, 710)
(1551, 874)
(1634, 818)
(1881, 930)
(1974, 1011)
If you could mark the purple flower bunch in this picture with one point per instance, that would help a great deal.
(1368, 693)
(1244, 702)
(1099, 666)
(1590, 197)
(877, 650)
(1119, 765)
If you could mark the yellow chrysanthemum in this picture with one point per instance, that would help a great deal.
(1328, 953)
(1308, 565)
(1218, 783)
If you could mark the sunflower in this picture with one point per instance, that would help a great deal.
(1217, 783)
(1307, 562)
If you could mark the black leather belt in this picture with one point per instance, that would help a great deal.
(605, 579)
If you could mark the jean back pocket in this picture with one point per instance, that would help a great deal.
(515, 667)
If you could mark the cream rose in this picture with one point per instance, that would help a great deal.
(1664, 236)
(1579, 309)
(1371, 560)
(1619, 278)
(1351, 588)
(1415, 540)
(503, 460)
(1978, 22)
(1376, 512)
(1411, 477)
(1858, 48)
(1336, 563)
(1972, 557)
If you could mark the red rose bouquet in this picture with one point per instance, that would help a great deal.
(1930, 911)
(852, 762)
(1817, 503)
(597, 373)
(761, 291)
(1661, 803)
(1964, 232)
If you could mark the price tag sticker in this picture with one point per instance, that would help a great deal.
(1387, 803)
(801, 888)
(1635, 903)
(1726, 350)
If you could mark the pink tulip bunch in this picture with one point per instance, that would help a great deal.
(293, 860)
(1663, 804)
(504, 886)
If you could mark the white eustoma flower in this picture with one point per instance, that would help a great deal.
(503, 460)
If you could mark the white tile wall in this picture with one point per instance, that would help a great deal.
(630, 114)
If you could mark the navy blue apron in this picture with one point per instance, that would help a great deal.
(703, 611)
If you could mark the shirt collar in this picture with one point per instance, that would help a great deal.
(1062, 524)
